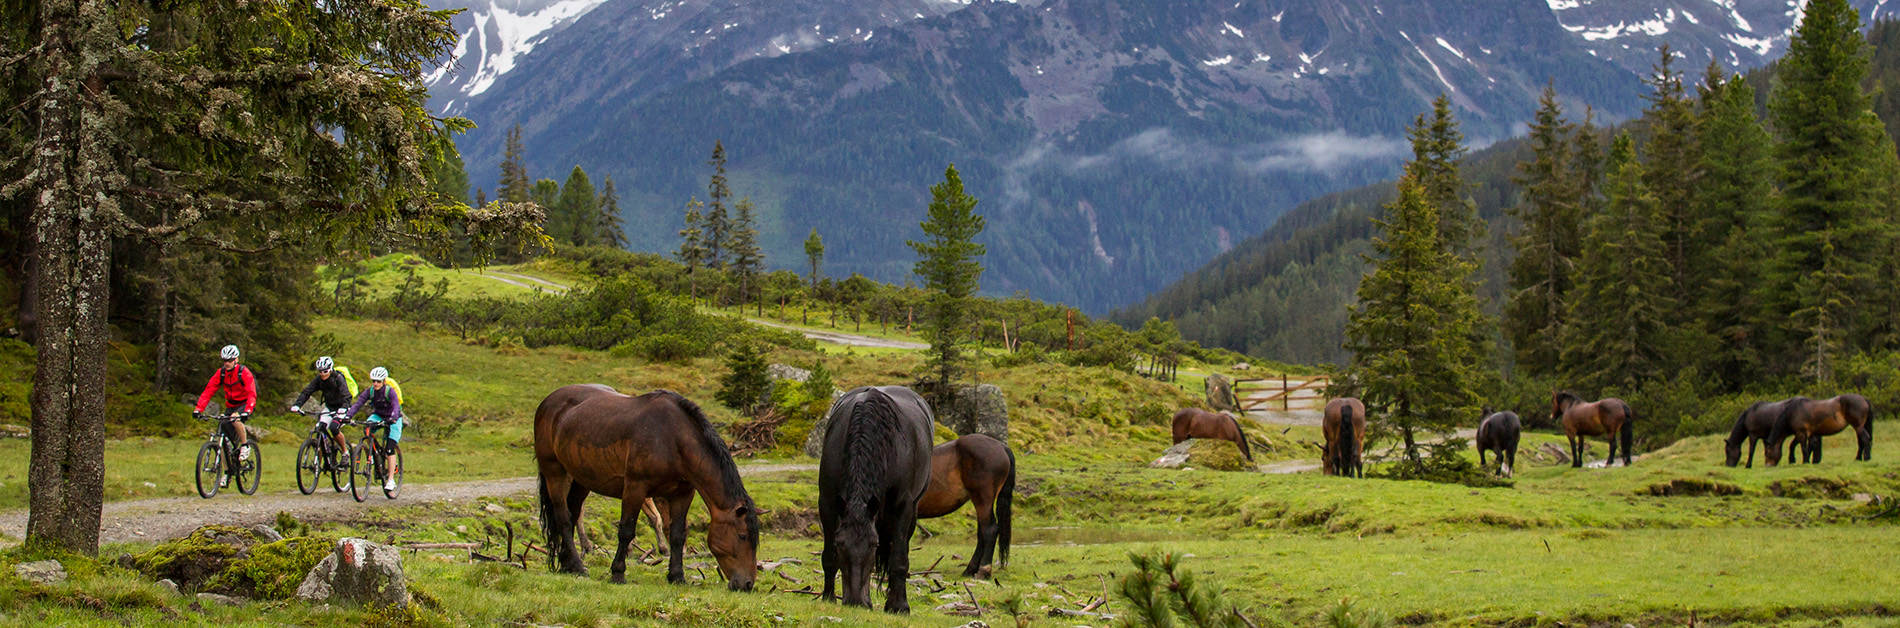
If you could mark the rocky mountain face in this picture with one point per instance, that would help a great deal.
(1736, 33)
(1114, 144)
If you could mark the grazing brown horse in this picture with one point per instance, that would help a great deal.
(1609, 418)
(1198, 423)
(1807, 420)
(1345, 427)
(980, 469)
(1756, 424)
(590, 439)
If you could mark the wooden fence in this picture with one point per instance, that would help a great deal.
(1283, 393)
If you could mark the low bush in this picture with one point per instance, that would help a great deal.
(1443, 462)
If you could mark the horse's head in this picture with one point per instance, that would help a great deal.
(856, 547)
(1732, 452)
(733, 537)
(1561, 401)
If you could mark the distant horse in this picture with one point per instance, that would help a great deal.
(875, 468)
(1198, 423)
(591, 439)
(1609, 418)
(980, 469)
(1499, 433)
(1808, 420)
(1345, 428)
(1756, 424)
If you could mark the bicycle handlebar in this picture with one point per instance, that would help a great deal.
(234, 416)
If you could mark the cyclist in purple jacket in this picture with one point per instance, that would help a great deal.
(385, 411)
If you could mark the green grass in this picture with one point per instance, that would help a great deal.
(383, 277)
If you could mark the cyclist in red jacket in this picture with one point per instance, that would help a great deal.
(240, 394)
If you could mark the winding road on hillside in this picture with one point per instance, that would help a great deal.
(172, 517)
(524, 281)
(841, 338)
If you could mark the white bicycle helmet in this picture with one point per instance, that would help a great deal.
(229, 352)
(378, 374)
(324, 364)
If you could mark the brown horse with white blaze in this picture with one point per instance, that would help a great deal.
(1808, 420)
(979, 469)
(1344, 425)
(590, 439)
(1198, 423)
(1610, 418)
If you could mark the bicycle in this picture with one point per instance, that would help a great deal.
(370, 466)
(217, 451)
(321, 454)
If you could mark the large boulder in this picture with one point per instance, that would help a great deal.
(193, 561)
(359, 571)
(1203, 453)
(980, 409)
(1220, 393)
(787, 371)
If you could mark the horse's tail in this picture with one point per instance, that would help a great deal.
(1345, 454)
(549, 535)
(1004, 500)
(1628, 435)
(1241, 436)
(870, 431)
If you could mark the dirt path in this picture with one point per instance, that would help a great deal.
(172, 517)
(852, 340)
(544, 284)
(534, 284)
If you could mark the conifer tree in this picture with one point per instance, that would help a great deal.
(718, 225)
(1672, 173)
(747, 260)
(1616, 335)
(481, 197)
(514, 186)
(1825, 314)
(1732, 203)
(949, 264)
(1438, 148)
(448, 176)
(1831, 233)
(1547, 242)
(607, 223)
(576, 212)
(1410, 331)
(692, 251)
(814, 253)
(546, 193)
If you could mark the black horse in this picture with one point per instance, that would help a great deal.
(1499, 433)
(875, 467)
(1755, 425)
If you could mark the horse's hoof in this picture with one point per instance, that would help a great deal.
(619, 578)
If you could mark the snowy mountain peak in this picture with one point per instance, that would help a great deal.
(495, 34)
(1739, 34)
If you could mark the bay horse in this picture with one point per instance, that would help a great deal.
(1344, 425)
(1755, 425)
(1610, 418)
(980, 469)
(1198, 423)
(590, 439)
(874, 470)
(1808, 420)
(1499, 433)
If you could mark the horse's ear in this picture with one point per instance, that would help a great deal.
(763, 512)
(742, 511)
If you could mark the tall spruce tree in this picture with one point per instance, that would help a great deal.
(1733, 205)
(1542, 273)
(814, 253)
(1672, 174)
(949, 264)
(692, 251)
(718, 225)
(747, 260)
(576, 213)
(1827, 165)
(514, 185)
(607, 222)
(1438, 148)
(1617, 337)
(1411, 328)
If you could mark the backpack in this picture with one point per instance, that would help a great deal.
(348, 380)
(395, 388)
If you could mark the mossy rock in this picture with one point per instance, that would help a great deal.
(273, 571)
(194, 560)
(1691, 487)
(1217, 455)
(1814, 488)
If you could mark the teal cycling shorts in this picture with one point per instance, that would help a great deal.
(395, 429)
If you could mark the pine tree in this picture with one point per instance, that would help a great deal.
(814, 253)
(1410, 331)
(1438, 148)
(546, 193)
(948, 262)
(692, 251)
(1672, 174)
(1732, 204)
(1830, 230)
(746, 384)
(1825, 315)
(514, 186)
(1542, 272)
(747, 261)
(448, 176)
(481, 197)
(577, 211)
(1616, 336)
(718, 226)
(607, 223)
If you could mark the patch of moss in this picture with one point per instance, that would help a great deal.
(273, 571)
(194, 560)
(1691, 487)
(1814, 488)
(1218, 455)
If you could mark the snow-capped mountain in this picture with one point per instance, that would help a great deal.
(1739, 34)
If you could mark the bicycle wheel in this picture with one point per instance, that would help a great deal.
(250, 472)
(339, 467)
(395, 473)
(361, 471)
(209, 467)
(309, 465)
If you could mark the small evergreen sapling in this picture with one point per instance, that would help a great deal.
(745, 382)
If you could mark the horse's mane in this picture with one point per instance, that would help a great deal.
(1565, 395)
(1740, 432)
(734, 486)
(1244, 449)
(871, 430)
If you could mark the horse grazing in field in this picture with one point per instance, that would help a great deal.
(1610, 418)
(1807, 420)
(980, 469)
(590, 439)
(1499, 433)
(1756, 424)
(1198, 423)
(875, 468)
(1344, 425)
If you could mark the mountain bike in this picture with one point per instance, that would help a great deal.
(218, 457)
(371, 467)
(320, 454)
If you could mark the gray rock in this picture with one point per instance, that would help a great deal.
(42, 572)
(1174, 457)
(815, 439)
(168, 585)
(980, 409)
(786, 371)
(1220, 393)
(359, 571)
(266, 533)
(213, 598)
(494, 508)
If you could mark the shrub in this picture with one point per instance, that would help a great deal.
(1162, 594)
(273, 571)
(1443, 462)
(663, 347)
(745, 383)
(1028, 353)
(1151, 413)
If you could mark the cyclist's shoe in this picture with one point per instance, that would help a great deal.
(389, 484)
(244, 454)
(223, 481)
